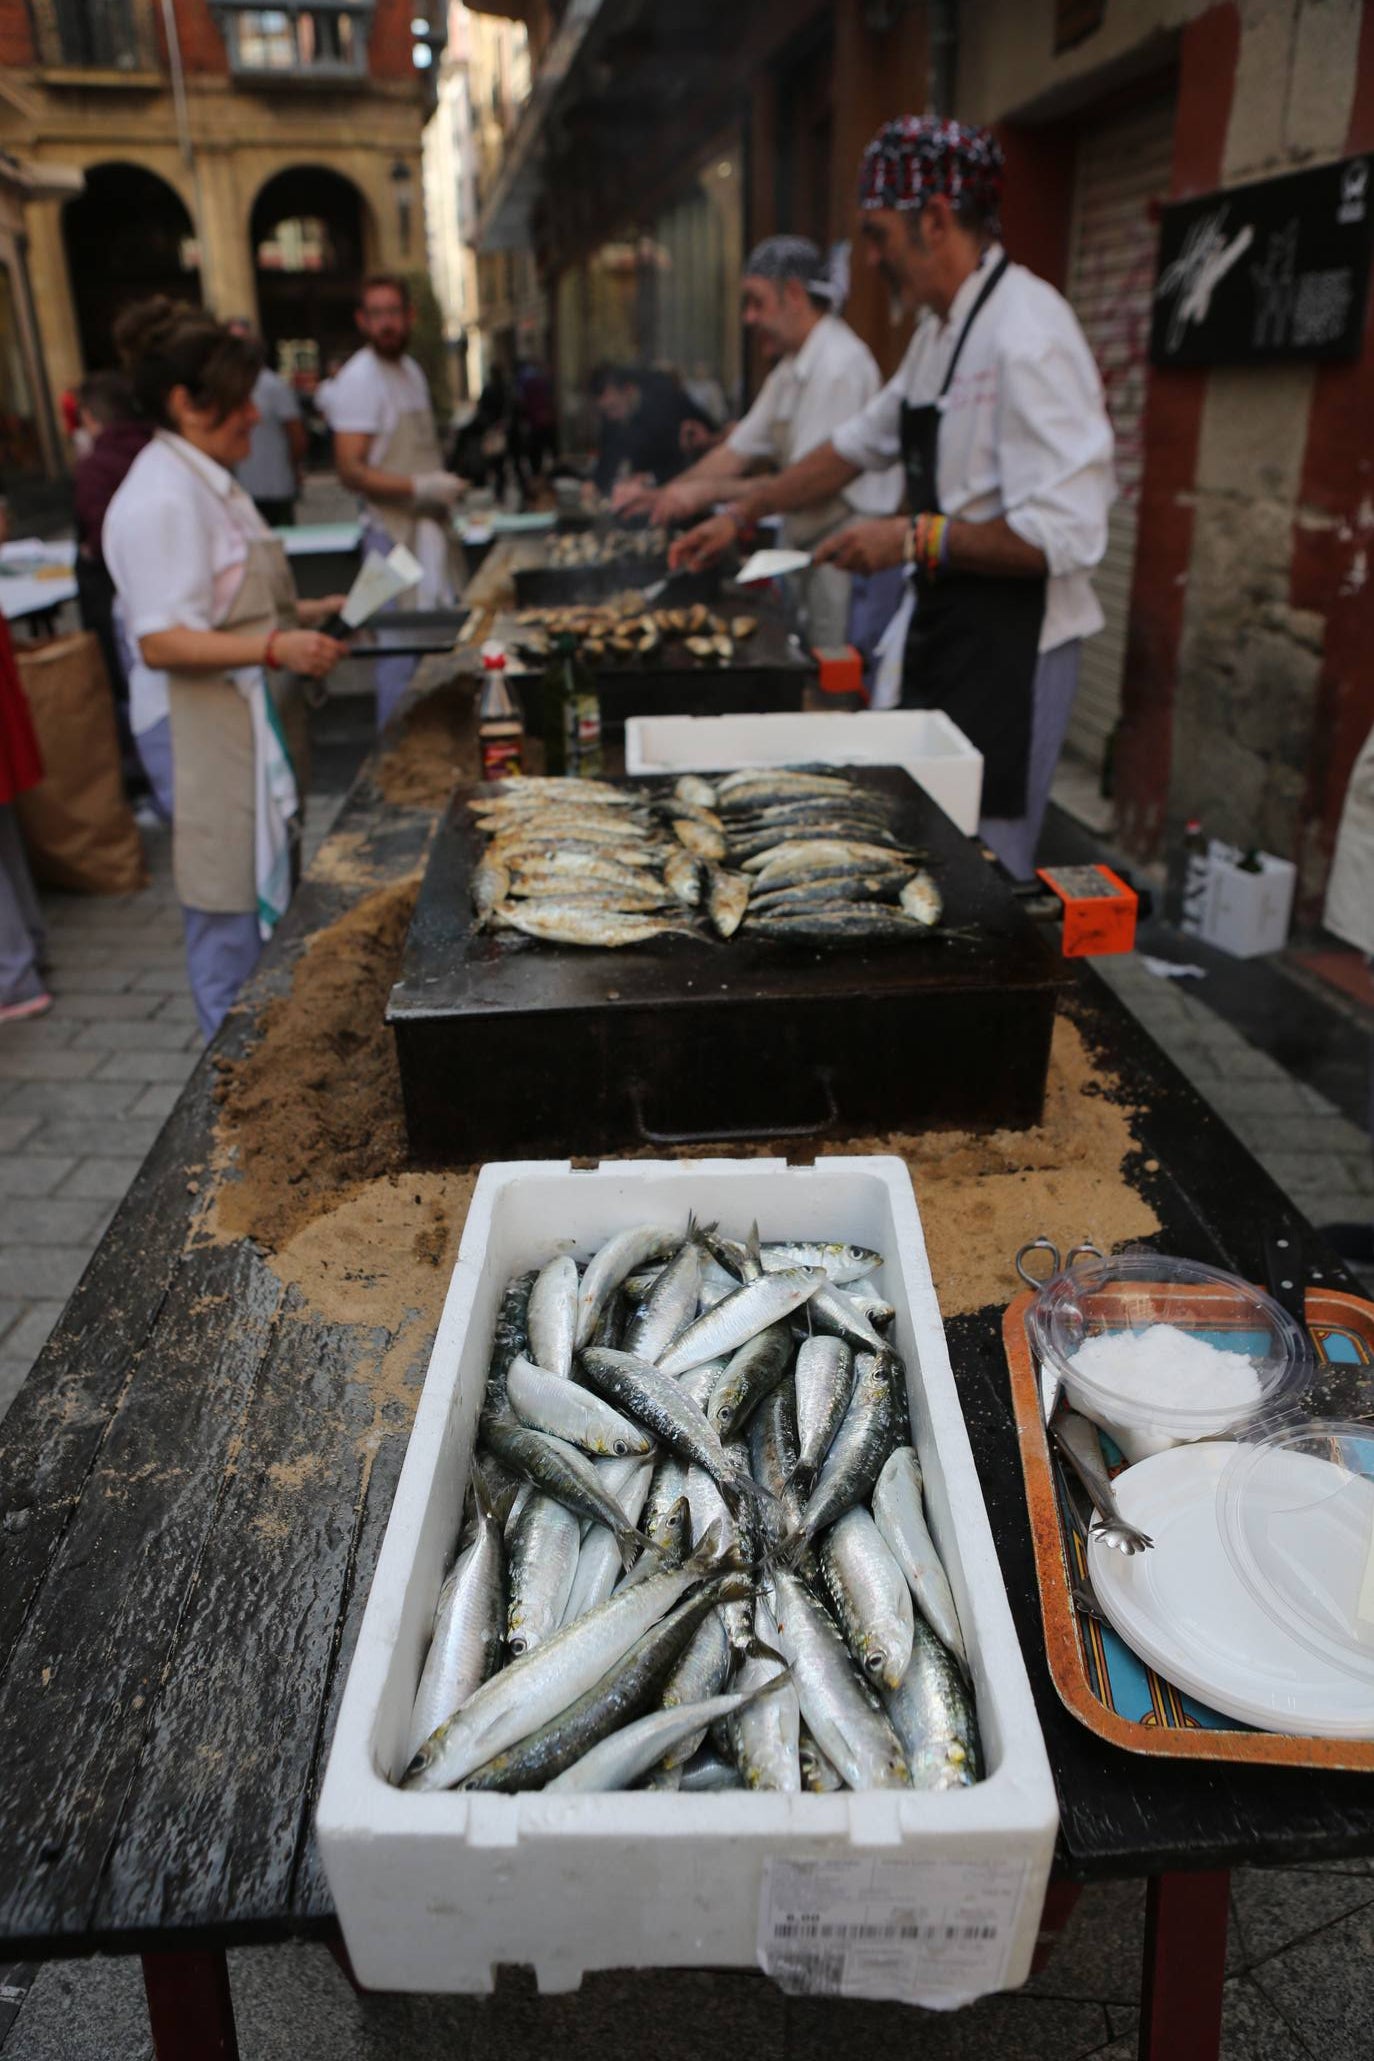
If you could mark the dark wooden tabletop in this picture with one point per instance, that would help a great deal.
(191, 1509)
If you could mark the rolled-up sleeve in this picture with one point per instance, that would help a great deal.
(161, 562)
(1054, 444)
(872, 439)
(752, 437)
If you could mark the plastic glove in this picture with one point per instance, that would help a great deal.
(437, 489)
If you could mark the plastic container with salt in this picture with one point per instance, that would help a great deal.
(1159, 1352)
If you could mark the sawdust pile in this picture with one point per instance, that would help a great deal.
(315, 1107)
(982, 1196)
(312, 1133)
(435, 749)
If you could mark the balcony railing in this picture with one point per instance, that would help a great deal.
(95, 35)
(318, 40)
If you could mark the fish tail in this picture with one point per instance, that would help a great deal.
(631, 1544)
(481, 1493)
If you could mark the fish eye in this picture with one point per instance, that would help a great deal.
(620, 1446)
(875, 1663)
(517, 1645)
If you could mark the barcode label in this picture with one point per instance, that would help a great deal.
(938, 1933)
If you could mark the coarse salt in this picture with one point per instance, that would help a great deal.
(1167, 1373)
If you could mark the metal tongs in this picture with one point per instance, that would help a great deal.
(1050, 1381)
(1073, 1436)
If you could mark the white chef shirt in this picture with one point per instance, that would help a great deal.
(370, 395)
(1024, 432)
(175, 538)
(806, 397)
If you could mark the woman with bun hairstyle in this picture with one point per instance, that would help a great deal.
(207, 599)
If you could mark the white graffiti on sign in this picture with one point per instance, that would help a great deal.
(1198, 270)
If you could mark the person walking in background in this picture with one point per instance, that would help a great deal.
(534, 421)
(271, 471)
(117, 435)
(822, 374)
(23, 992)
(207, 595)
(386, 449)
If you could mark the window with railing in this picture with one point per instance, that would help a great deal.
(316, 39)
(95, 35)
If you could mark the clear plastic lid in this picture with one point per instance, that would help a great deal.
(1296, 1511)
(1169, 1347)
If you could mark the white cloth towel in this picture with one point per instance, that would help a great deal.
(276, 799)
(890, 650)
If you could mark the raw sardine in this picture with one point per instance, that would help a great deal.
(553, 1316)
(849, 1725)
(899, 1512)
(566, 1410)
(469, 1625)
(613, 1261)
(934, 1718)
(869, 1596)
(741, 1316)
(539, 1685)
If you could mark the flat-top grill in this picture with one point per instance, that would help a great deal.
(509, 1047)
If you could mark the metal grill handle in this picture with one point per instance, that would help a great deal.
(722, 1134)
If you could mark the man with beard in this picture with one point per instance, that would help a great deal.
(822, 374)
(997, 417)
(386, 449)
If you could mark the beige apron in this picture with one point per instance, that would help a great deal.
(1350, 891)
(212, 748)
(825, 589)
(413, 447)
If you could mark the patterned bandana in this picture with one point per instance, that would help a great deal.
(918, 155)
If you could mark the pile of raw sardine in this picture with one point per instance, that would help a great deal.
(799, 855)
(699, 1557)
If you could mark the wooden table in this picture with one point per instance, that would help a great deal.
(179, 1600)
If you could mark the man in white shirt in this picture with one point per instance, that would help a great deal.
(996, 413)
(822, 374)
(386, 448)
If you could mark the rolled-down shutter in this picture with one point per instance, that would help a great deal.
(1123, 171)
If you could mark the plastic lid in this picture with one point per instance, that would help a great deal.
(1168, 1346)
(1296, 1511)
(494, 655)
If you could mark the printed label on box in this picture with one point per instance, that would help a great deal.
(901, 1931)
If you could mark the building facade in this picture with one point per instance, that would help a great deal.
(257, 160)
(493, 305)
(1230, 681)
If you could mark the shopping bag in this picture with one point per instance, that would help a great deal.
(77, 825)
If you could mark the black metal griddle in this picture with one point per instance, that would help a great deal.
(510, 1047)
(767, 673)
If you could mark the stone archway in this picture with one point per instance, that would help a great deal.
(308, 233)
(128, 235)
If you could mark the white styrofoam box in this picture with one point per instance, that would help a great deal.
(1247, 913)
(924, 741)
(434, 1890)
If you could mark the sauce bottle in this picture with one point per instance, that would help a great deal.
(500, 722)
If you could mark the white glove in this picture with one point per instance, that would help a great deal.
(439, 489)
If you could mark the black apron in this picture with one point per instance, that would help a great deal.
(974, 639)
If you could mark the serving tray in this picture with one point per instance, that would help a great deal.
(1098, 1678)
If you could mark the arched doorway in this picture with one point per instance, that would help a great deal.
(128, 235)
(307, 232)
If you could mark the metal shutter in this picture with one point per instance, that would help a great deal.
(1123, 167)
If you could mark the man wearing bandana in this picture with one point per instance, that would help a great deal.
(822, 374)
(997, 417)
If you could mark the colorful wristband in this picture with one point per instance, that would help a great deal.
(268, 660)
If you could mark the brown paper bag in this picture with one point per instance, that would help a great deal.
(77, 825)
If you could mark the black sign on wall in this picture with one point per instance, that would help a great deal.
(1275, 270)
